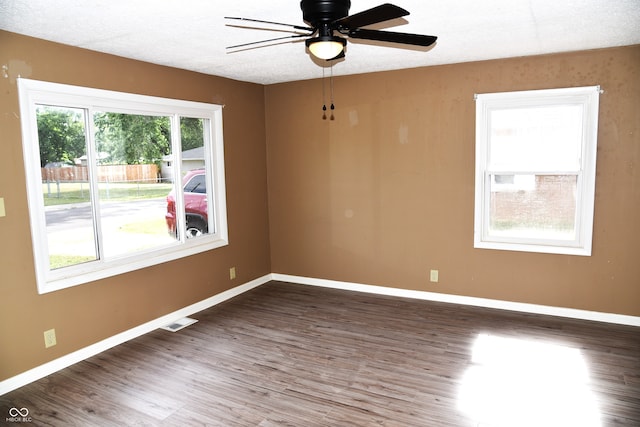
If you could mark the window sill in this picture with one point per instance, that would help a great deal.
(97, 270)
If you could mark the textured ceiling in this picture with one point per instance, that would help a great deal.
(192, 35)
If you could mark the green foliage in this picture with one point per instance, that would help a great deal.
(191, 132)
(121, 138)
(132, 139)
(60, 134)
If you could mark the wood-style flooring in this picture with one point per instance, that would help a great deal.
(294, 355)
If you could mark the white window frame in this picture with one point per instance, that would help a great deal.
(588, 98)
(33, 92)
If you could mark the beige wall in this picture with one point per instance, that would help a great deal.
(385, 192)
(86, 314)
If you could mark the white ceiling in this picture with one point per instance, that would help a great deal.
(192, 35)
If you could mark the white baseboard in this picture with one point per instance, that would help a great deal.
(86, 352)
(457, 299)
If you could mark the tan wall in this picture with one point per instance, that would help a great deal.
(385, 192)
(85, 314)
(380, 195)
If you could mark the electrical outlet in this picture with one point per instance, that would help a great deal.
(2, 211)
(433, 276)
(50, 338)
(232, 273)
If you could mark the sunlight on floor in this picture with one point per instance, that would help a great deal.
(516, 382)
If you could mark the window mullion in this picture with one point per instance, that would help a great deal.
(580, 208)
(486, 201)
(176, 147)
(209, 165)
(531, 172)
(92, 173)
(34, 189)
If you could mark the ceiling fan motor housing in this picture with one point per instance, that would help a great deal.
(318, 12)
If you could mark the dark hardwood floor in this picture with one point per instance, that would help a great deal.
(295, 355)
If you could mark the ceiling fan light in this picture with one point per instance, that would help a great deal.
(326, 47)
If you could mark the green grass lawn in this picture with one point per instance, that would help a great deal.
(145, 227)
(77, 192)
(70, 193)
(59, 261)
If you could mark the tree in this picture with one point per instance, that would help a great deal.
(125, 138)
(132, 139)
(191, 133)
(61, 134)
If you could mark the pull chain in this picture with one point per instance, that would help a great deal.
(324, 103)
(331, 86)
(324, 98)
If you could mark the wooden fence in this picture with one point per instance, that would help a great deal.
(106, 173)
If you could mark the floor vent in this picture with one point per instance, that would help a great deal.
(179, 324)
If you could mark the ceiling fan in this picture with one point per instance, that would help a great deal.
(329, 26)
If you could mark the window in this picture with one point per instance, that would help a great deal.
(99, 202)
(535, 170)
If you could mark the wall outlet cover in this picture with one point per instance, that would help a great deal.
(433, 276)
(50, 338)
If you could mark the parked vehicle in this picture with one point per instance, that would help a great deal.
(195, 201)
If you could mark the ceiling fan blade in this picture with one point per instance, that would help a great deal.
(393, 37)
(267, 41)
(384, 12)
(297, 27)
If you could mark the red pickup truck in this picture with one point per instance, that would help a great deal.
(195, 201)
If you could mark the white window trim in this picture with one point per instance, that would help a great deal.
(33, 92)
(588, 97)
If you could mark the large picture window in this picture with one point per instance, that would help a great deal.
(535, 170)
(118, 182)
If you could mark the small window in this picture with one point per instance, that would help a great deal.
(535, 170)
(97, 201)
(196, 184)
